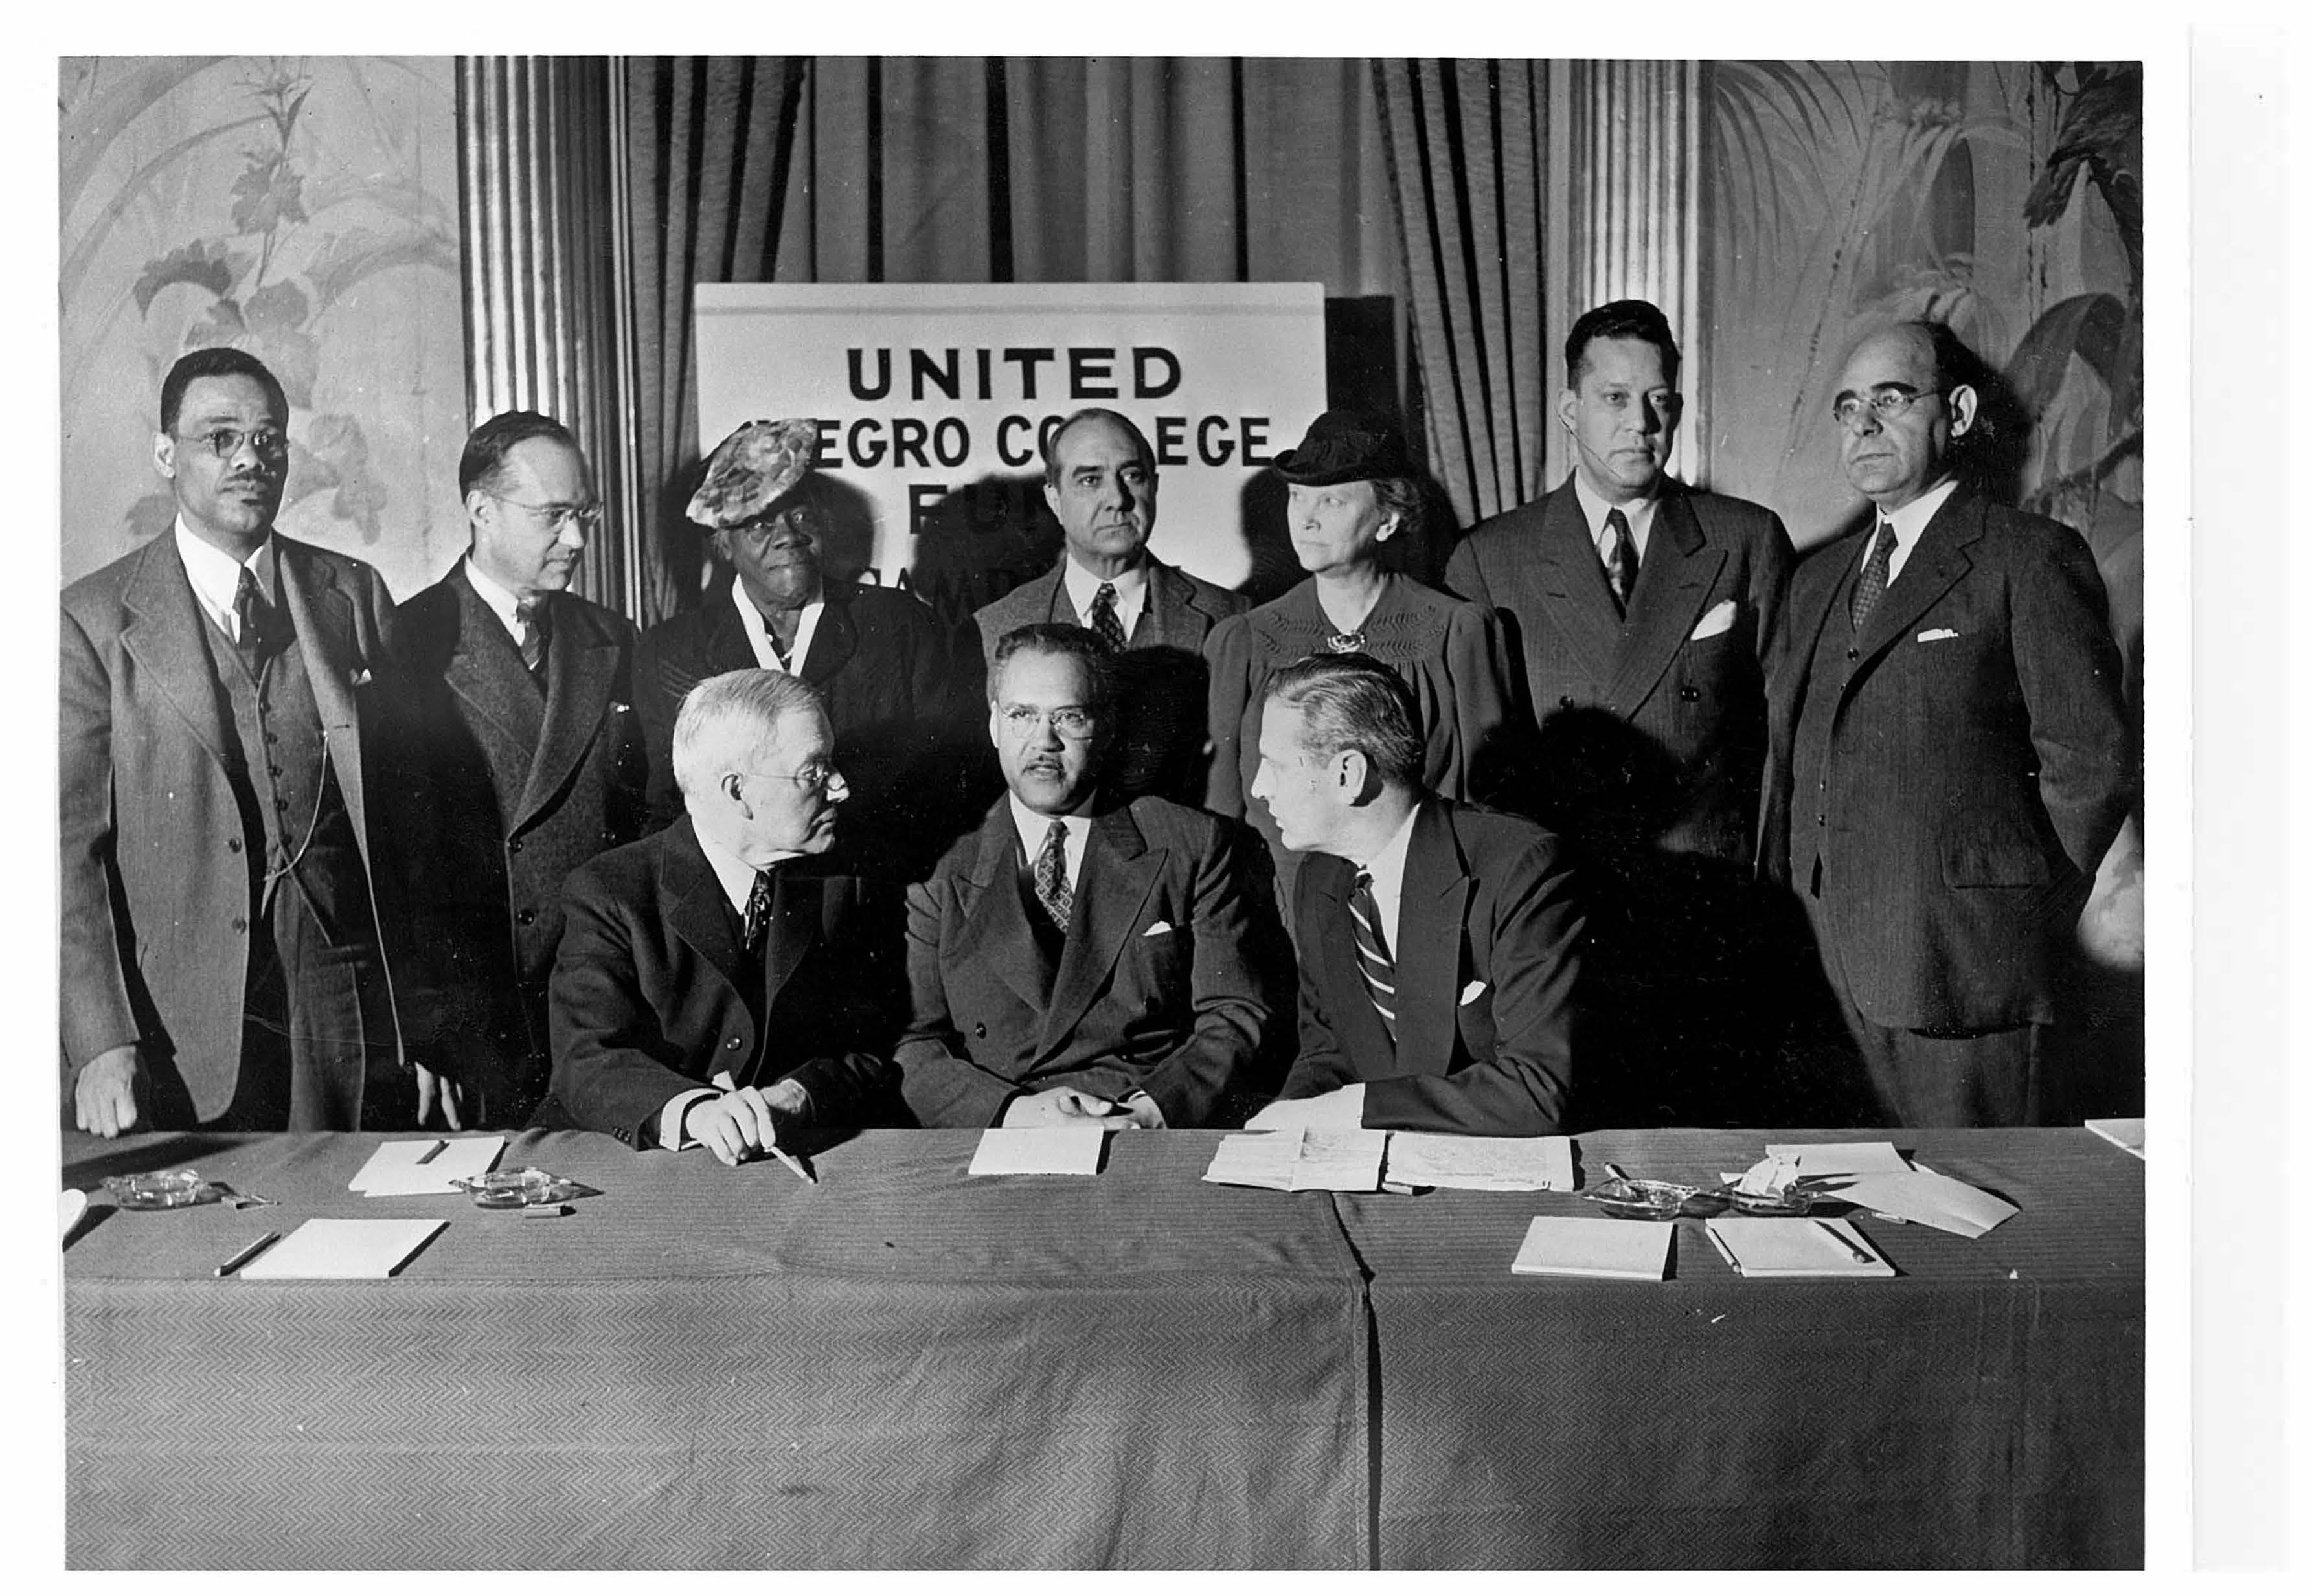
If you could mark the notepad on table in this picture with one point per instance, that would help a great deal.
(394, 1170)
(1300, 1160)
(1039, 1150)
(1481, 1163)
(342, 1249)
(2124, 1134)
(1594, 1249)
(1770, 1249)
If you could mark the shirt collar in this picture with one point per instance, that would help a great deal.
(1387, 866)
(1130, 590)
(499, 599)
(1638, 512)
(1912, 520)
(215, 575)
(736, 875)
(1034, 828)
(759, 630)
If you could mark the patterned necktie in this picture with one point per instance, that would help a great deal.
(1052, 888)
(1103, 615)
(1872, 587)
(1621, 560)
(1373, 962)
(249, 614)
(530, 613)
(759, 912)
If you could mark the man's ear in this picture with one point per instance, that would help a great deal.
(164, 455)
(1961, 400)
(734, 788)
(1566, 400)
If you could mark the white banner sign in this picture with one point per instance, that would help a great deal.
(932, 397)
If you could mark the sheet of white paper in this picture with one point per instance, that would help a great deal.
(1255, 1158)
(1840, 1157)
(342, 1249)
(1481, 1163)
(1339, 1161)
(1927, 1198)
(393, 1170)
(1039, 1150)
(1765, 1248)
(2120, 1133)
(1594, 1249)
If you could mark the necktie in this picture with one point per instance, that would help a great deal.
(1052, 888)
(531, 613)
(1621, 560)
(249, 614)
(759, 912)
(1373, 960)
(1103, 615)
(1872, 587)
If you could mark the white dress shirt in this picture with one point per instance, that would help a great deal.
(1387, 872)
(500, 601)
(1910, 522)
(1131, 592)
(215, 576)
(1638, 512)
(1034, 828)
(759, 630)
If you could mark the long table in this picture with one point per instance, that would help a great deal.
(904, 1366)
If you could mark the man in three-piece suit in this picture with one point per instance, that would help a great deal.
(716, 984)
(1952, 751)
(530, 762)
(1438, 942)
(878, 658)
(1099, 479)
(1641, 611)
(220, 913)
(1077, 959)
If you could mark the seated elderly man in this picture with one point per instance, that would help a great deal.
(714, 984)
(1076, 958)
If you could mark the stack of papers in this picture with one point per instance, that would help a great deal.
(1481, 1163)
(1594, 1249)
(1039, 1150)
(1882, 1181)
(1300, 1160)
(342, 1249)
(394, 1170)
(1774, 1249)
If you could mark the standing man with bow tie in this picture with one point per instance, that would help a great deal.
(221, 962)
(1952, 750)
(716, 984)
(1642, 610)
(532, 762)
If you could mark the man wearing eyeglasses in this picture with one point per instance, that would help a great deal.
(222, 965)
(531, 761)
(1076, 960)
(1951, 750)
(718, 985)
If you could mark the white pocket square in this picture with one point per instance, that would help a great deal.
(1158, 929)
(621, 708)
(1472, 993)
(361, 678)
(1935, 635)
(1719, 618)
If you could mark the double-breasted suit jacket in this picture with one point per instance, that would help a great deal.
(647, 1000)
(1684, 671)
(159, 871)
(1153, 992)
(1162, 681)
(1948, 780)
(1488, 952)
(514, 789)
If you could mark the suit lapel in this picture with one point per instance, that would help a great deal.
(485, 671)
(1355, 1023)
(692, 900)
(1571, 585)
(1119, 873)
(1934, 566)
(795, 909)
(581, 665)
(995, 924)
(835, 641)
(1675, 580)
(163, 635)
(323, 614)
(1429, 942)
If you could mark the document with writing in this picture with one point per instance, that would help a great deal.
(394, 1170)
(342, 1249)
(1039, 1150)
(1594, 1249)
(1255, 1158)
(1481, 1163)
(1300, 1160)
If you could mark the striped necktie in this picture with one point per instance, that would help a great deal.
(531, 615)
(1373, 960)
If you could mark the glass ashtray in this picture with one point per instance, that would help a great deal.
(161, 1188)
(1640, 1199)
(517, 1187)
(1790, 1202)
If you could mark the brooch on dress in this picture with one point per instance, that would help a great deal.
(1346, 642)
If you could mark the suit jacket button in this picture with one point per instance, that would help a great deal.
(240, 924)
(232, 844)
(1566, 700)
(1690, 694)
(527, 916)
(1854, 653)
(514, 846)
(1822, 820)
(731, 1043)
(979, 1030)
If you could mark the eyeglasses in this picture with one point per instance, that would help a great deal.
(819, 776)
(1885, 403)
(1074, 724)
(225, 443)
(587, 516)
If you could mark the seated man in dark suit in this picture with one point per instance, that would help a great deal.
(714, 985)
(1438, 942)
(1074, 959)
(878, 658)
